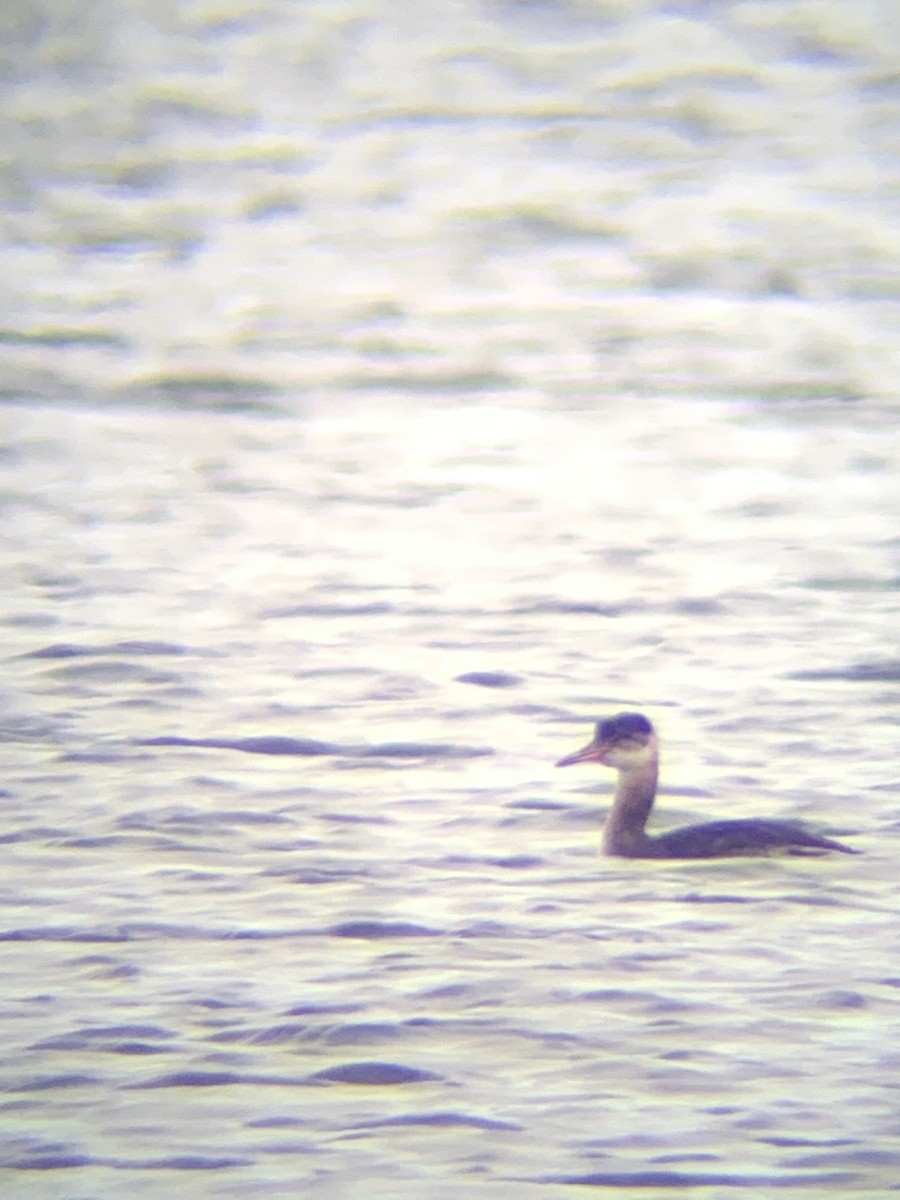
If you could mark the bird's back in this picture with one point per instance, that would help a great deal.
(720, 839)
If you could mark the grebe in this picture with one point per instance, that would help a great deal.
(628, 743)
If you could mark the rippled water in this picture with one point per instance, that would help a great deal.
(293, 897)
(387, 395)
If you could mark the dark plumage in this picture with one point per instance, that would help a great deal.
(627, 742)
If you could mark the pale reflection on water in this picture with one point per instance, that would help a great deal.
(194, 932)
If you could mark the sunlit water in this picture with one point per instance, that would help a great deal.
(388, 398)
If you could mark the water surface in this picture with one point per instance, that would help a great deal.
(386, 398)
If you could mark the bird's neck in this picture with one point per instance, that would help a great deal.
(635, 792)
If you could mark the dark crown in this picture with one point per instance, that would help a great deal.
(624, 725)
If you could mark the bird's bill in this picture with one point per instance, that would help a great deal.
(593, 752)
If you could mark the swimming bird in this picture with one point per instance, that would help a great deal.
(627, 742)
